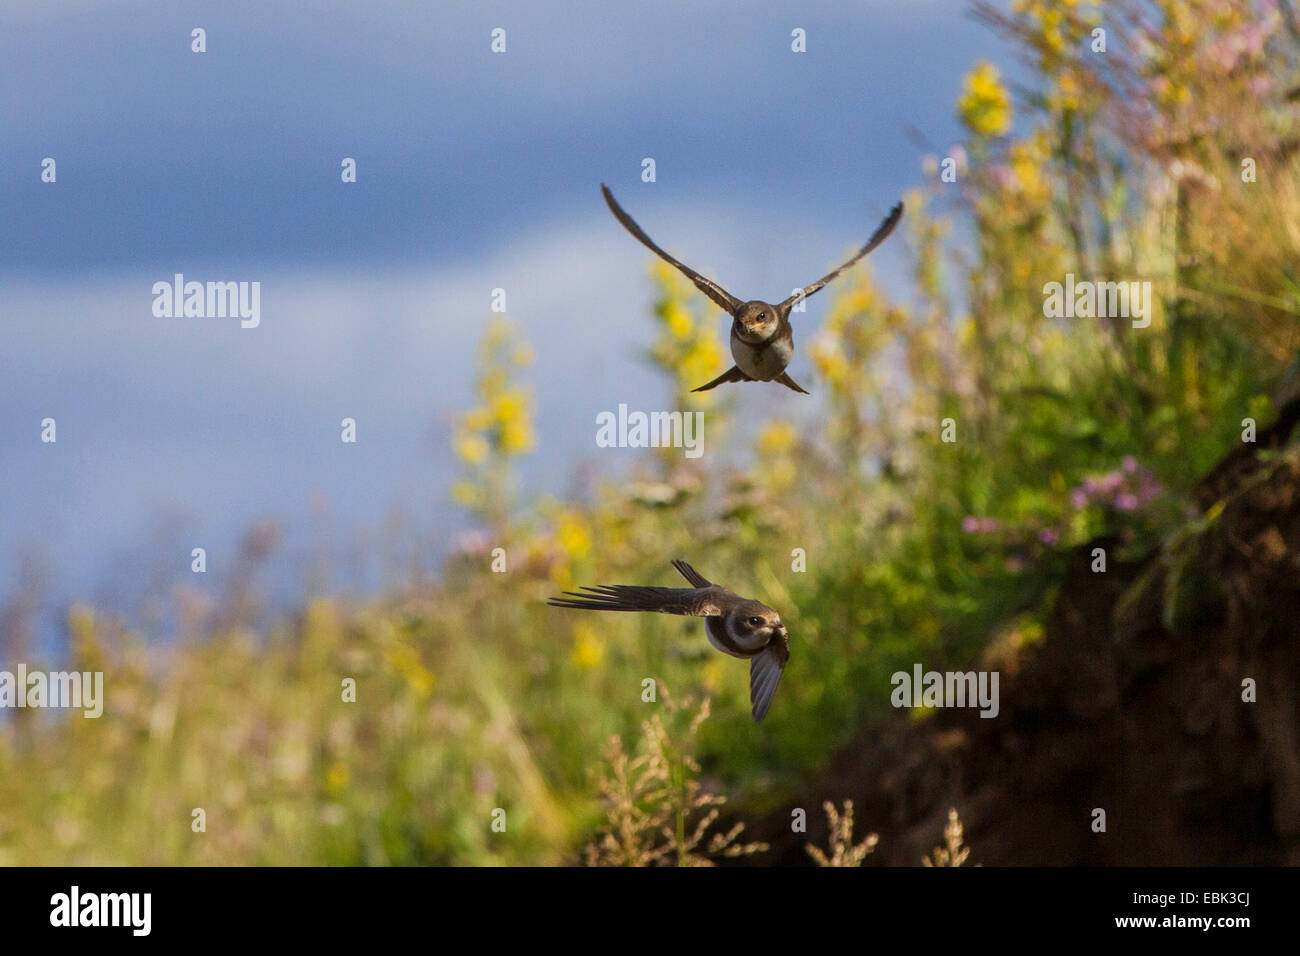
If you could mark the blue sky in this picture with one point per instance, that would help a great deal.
(475, 171)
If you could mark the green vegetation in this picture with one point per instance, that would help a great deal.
(472, 695)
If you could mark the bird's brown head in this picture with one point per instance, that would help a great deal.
(756, 321)
(754, 624)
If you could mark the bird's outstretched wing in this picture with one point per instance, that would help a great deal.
(765, 673)
(690, 574)
(880, 235)
(721, 296)
(698, 602)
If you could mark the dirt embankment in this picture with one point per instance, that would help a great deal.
(1132, 704)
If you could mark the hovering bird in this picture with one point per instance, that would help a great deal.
(762, 342)
(735, 625)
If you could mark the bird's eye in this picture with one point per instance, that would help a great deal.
(756, 621)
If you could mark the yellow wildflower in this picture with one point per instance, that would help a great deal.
(588, 648)
(516, 437)
(776, 438)
(1026, 159)
(337, 777)
(508, 406)
(1067, 96)
(679, 320)
(471, 447)
(985, 104)
(830, 361)
(573, 535)
(406, 661)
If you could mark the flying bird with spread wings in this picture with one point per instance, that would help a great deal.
(762, 342)
(735, 625)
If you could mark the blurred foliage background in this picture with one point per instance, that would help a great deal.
(1126, 165)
